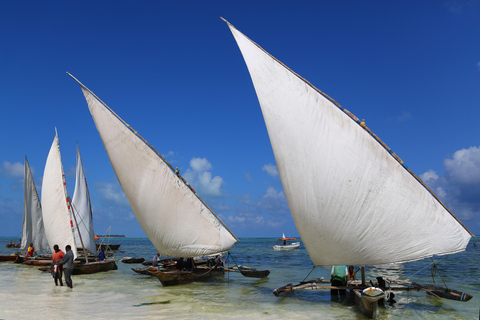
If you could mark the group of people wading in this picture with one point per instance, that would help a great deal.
(62, 262)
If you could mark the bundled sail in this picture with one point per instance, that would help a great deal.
(352, 201)
(57, 216)
(83, 209)
(174, 218)
(33, 230)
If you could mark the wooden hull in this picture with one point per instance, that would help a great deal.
(367, 301)
(5, 257)
(16, 245)
(287, 247)
(255, 273)
(94, 267)
(142, 271)
(132, 260)
(38, 262)
(176, 277)
(450, 294)
(106, 247)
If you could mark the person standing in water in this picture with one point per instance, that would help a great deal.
(57, 268)
(67, 262)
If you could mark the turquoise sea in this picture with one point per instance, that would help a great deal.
(26, 292)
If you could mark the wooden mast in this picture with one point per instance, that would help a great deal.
(76, 223)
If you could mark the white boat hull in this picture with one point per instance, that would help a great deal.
(287, 247)
(367, 301)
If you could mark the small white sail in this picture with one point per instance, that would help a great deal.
(33, 230)
(174, 218)
(351, 200)
(82, 209)
(57, 217)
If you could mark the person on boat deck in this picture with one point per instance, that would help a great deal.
(218, 261)
(351, 273)
(180, 264)
(155, 260)
(57, 268)
(284, 242)
(31, 251)
(67, 262)
(189, 264)
(101, 255)
(339, 278)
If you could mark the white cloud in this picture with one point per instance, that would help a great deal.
(200, 164)
(275, 202)
(13, 170)
(464, 167)
(112, 193)
(459, 186)
(430, 177)
(271, 170)
(200, 177)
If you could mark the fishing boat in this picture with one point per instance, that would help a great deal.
(38, 262)
(12, 244)
(59, 214)
(343, 184)
(172, 215)
(8, 257)
(84, 233)
(83, 209)
(132, 260)
(108, 247)
(142, 271)
(287, 244)
(33, 230)
(57, 210)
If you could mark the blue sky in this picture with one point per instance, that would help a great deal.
(172, 70)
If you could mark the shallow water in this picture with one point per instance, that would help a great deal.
(27, 292)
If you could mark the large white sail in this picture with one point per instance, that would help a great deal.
(352, 201)
(83, 210)
(33, 230)
(57, 217)
(174, 218)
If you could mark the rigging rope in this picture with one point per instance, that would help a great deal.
(434, 271)
(309, 273)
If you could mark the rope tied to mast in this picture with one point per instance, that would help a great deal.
(434, 270)
(309, 273)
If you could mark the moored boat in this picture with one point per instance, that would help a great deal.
(94, 267)
(176, 277)
(342, 182)
(132, 260)
(8, 257)
(142, 271)
(38, 262)
(287, 244)
(163, 202)
(108, 247)
(13, 245)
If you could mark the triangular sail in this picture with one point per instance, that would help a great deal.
(33, 230)
(82, 209)
(57, 217)
(351, 200)
(174, 218)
